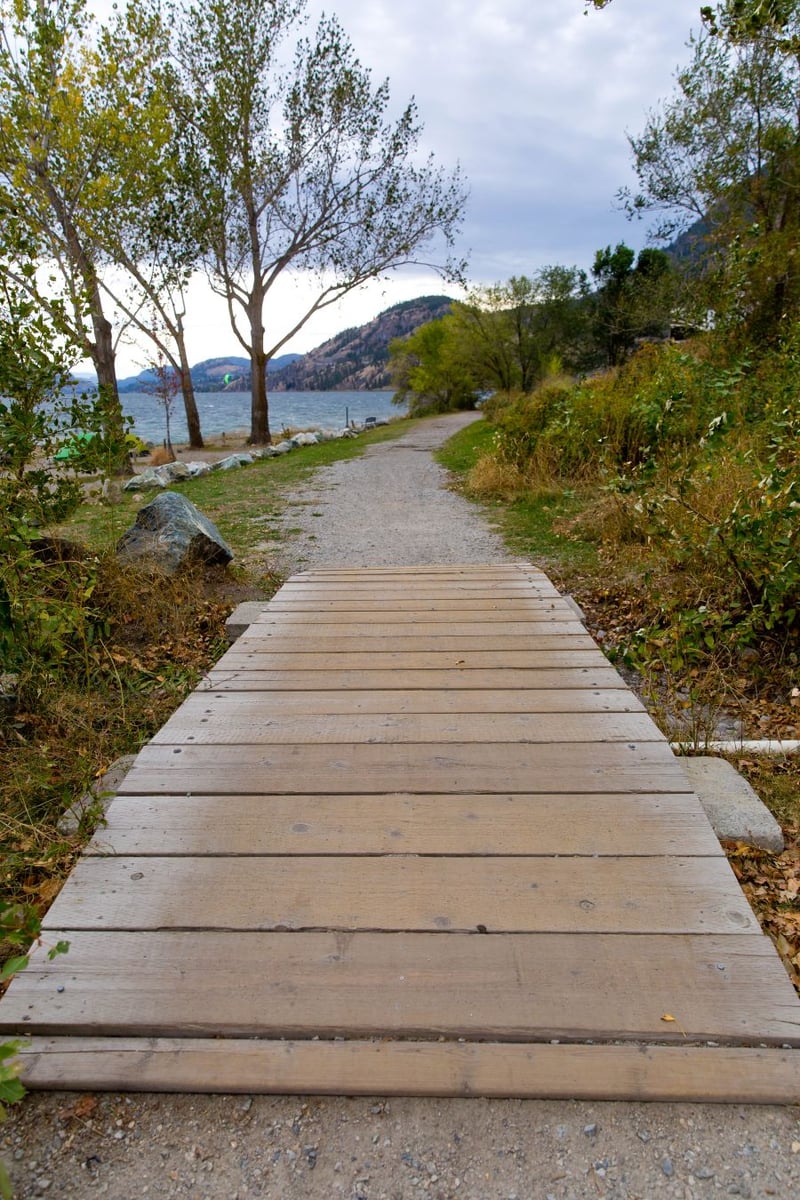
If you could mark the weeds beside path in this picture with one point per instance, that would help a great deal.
(688, 703)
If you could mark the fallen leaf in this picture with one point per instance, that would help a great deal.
(668, 1017)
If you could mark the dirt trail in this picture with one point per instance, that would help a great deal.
(389, 507)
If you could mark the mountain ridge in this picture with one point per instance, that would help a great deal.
(357, 359)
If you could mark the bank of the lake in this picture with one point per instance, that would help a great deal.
(222, 412)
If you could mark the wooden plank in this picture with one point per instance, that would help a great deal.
(394, 824)
(489, 592)
(496, 987)
(228, 707)
(230, 679)
(398, 604)
(462, 658)
(405, 893)
(518, 621)
(548, 639)
(701, 1074)
(354, 770)
(257, 729)
(417, 630)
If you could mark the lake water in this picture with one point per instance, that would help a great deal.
(223, 412)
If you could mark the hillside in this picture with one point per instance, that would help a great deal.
(357, 359)
(231, 374)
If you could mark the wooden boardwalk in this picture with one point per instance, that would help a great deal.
(413, 834)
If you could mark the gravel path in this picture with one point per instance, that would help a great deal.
(389, 508)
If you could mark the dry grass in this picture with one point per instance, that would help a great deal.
(493, 478)
(149, 641)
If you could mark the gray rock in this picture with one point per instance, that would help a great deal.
(733, 808)
(171, 472)
(231, 463)
(149, 478)
(196, 469)
(305, 439)
(9, 684)
(282, 448)
(170, 532)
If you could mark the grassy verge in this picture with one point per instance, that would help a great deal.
(531, 523)
(241, 503)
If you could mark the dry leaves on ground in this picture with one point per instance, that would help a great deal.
(771, 883)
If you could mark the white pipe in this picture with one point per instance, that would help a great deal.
(758, 746)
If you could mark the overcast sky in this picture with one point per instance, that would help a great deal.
(533, 99)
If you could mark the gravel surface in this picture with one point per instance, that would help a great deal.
(389, 508)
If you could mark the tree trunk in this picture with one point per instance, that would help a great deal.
(105, 366)
(259, 404)
(187, 391)
(259, 413)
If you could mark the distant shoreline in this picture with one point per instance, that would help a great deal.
(229, 412)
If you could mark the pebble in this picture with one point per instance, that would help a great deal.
(667, 1168)
(590, 1130)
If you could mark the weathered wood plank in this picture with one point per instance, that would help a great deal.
(508, 987)
(433, 609)
(257, 729)
(402, 824)
(405, 893)
(231, 679)
(461, 658)
(488, 593)
(701, 1074)
(353, 770)
(226, 706)
(474, 620)
(549, 639)
(481, 634)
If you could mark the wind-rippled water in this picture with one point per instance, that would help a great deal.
(224, 412)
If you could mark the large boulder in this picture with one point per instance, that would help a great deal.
(171, 532)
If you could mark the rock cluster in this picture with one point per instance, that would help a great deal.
(162, 477)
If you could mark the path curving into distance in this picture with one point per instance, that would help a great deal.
(389, 507)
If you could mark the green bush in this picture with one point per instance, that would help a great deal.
(660, 403)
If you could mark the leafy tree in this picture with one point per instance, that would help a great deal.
(428, 369)
(58, 151)
(298, 167)
(513, 334)
(633, 299)
(38, 418)
(149, 231)
(726, 148)
(745, 16)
